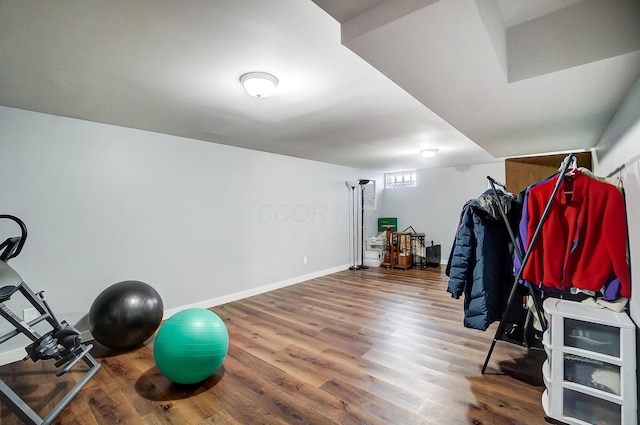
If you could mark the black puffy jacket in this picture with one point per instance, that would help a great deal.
(480, 263)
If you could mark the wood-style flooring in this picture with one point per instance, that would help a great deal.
(374, 346)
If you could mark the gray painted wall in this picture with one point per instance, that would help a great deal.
(203, 223)
(434, 206)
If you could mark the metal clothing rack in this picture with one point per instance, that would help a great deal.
(569, 161)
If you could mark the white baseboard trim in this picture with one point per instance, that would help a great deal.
(17, 354)
(12, 356)
(254, 291)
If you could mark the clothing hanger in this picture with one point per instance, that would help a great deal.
(570, 165)
(497, 185)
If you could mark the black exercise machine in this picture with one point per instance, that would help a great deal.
(61, 344)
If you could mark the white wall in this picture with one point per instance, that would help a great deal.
(202, 223)
(433, 207)
(619, 153)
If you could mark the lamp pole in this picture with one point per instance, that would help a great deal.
(363, 183)
(353, 226)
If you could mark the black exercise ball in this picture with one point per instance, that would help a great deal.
(125, 315)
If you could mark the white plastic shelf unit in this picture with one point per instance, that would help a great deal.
(590, 371)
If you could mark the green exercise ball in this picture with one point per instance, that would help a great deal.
(191, 345)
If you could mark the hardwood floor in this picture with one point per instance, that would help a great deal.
(373, 346)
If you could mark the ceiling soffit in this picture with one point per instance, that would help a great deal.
(586, 32)
(550, 83)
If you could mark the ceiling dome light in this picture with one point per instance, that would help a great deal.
(428, 153)
(259, 84)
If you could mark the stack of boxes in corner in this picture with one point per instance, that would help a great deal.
(374, 251)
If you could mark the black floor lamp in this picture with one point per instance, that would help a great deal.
(362, 183)
(353, 229)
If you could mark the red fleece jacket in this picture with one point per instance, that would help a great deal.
(583, 242)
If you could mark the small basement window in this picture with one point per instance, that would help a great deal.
(401, 179)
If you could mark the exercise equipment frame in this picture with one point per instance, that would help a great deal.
(62, 343)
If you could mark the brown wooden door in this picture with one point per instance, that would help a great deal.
(524, 171)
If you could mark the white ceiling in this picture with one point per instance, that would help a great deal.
(363, 83)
